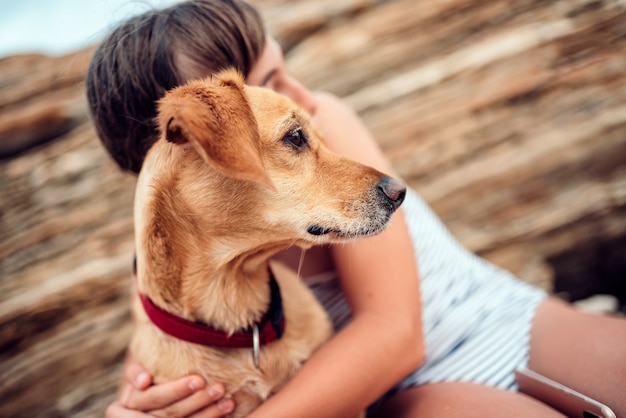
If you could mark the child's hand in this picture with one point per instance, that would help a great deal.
(185, 397)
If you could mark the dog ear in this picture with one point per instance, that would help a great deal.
(214, 116)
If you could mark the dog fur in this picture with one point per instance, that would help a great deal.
(239, 174)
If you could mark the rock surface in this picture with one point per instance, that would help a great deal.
(508, 117)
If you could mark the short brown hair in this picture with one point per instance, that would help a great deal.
(151, 53)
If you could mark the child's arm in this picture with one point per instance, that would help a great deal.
(384, 341)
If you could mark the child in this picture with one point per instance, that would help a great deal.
(423, 326)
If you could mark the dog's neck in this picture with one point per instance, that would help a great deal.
(229, 294)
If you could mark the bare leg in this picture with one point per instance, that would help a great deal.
(583, 351)
(463, 400)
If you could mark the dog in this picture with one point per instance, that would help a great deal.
(239, 174)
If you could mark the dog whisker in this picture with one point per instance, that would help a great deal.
(300, 264)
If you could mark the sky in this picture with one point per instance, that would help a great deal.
(57, 27)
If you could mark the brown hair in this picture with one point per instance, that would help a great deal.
(151, 53)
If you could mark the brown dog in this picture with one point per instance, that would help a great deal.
(239, 174)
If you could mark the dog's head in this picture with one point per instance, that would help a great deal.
(240, 168)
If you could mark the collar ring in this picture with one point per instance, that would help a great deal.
(256, 345)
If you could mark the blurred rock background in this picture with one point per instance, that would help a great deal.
(508, 117)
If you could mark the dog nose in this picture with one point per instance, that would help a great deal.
(393, 191)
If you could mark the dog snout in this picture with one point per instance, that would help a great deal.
(392, 191)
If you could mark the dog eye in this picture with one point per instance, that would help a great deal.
(296, 138)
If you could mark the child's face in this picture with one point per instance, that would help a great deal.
(270, 71)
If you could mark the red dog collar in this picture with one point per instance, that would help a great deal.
(270, 327)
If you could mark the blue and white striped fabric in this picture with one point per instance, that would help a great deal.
(476, 317)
